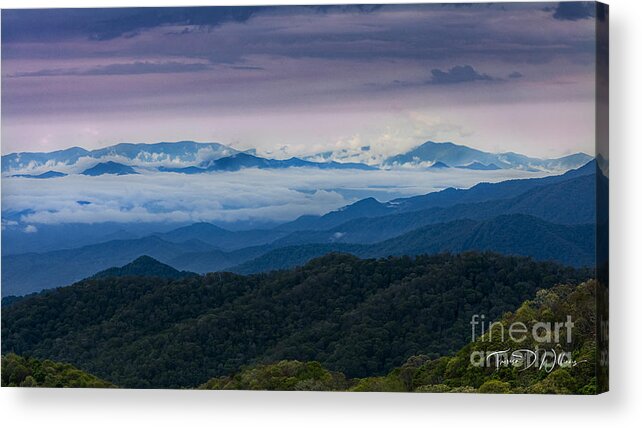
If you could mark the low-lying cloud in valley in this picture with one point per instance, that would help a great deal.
(227, 197)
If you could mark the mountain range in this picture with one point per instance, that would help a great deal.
(44, 175)
(550, 218)
(244, 160)
(134, 154)
(449, 154)
(571, 245)
(189, 157)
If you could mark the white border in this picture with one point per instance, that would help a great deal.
(620, 407)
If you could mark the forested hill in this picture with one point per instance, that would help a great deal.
(419, 373)
(355, 316)
(34, 373)
(144, 266)
(454, 373)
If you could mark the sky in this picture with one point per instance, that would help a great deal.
(292, 81)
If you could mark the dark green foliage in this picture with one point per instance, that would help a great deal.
(282, 376)
(455, 374)
(30, 372)
(494, 386)
(359, 317)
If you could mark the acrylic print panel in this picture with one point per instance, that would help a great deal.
(346, 198)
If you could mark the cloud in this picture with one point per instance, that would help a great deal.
(251, 194)
(30, 228)
(457, 74)
(246, 67)
(120, 69)
(107, 24)
(8, 223)
(515, 75)
(573, 11)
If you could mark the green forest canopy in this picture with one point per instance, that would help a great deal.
(361, 318)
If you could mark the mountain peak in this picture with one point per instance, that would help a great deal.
(460, 156)
(478, 166)
(109, 167)
(439, 165)
(370, 201)
(144, 266)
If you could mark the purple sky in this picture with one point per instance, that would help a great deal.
(299, 80)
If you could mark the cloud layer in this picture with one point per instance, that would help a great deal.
(251, 194)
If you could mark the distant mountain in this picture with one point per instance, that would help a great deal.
(172, 152)
(216, 260)
(482, 192)
(25, 160)
(189, 157)
(487, 191)
(439, 165)
(44, 175)
(222, 238)
(183, 170)
(449, 153)
(240, 161)
(30, 272)
(144, 266)
(462, 156)
(569, 202)
(133, 154)
(60, 236)
(110, 167)
(480, 167)
(563, 203)
(368, 207)
(514, 234)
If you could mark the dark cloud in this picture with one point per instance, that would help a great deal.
(107, 24)
(247, 67)
(575, 10)
(515, 75)
(317, 58)
(120, 69)
(444, 33)
(457, 74)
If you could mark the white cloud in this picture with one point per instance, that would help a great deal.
(251, 194)
(30, 228)
(8, 223)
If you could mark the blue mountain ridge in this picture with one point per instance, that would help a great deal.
(244, 160)
(44, 175)
(109, 167)
(557, 207)
(460, 156)
(184, 151)
(193, 157)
